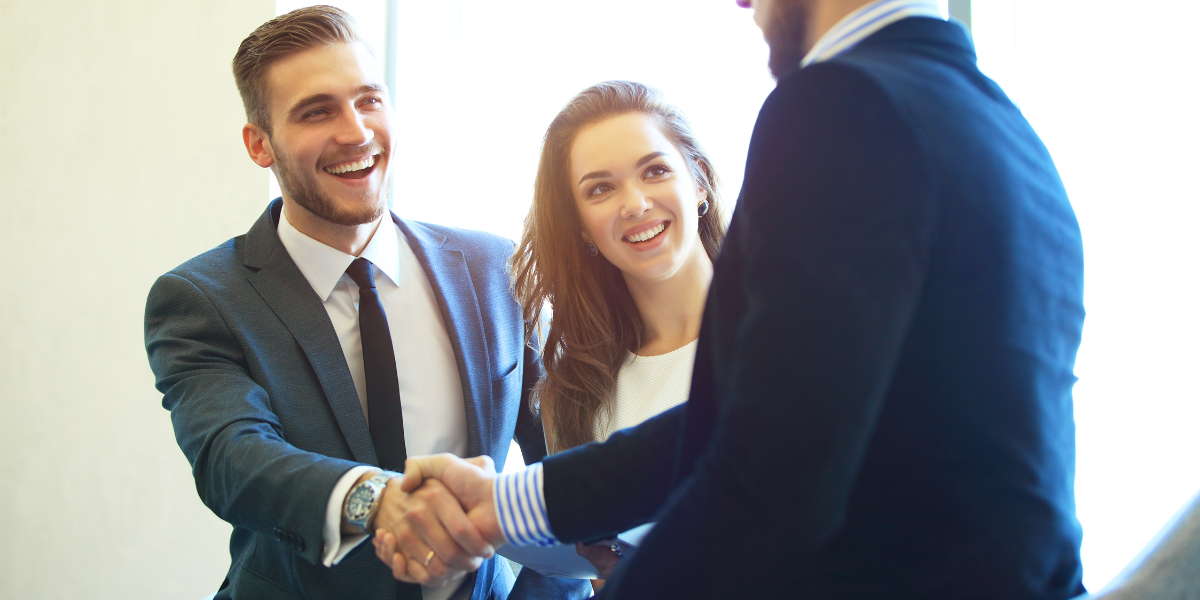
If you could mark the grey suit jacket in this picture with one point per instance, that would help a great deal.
(265, 410)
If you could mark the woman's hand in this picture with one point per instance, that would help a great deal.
(603, 557)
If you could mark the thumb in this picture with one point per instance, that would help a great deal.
(418, 469)
(484, 462)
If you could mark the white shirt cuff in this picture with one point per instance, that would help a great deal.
(521, 508)
(337, 546)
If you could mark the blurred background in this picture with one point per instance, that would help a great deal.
(122, 157)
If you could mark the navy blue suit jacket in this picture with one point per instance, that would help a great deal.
(881, 405)
(265, 409)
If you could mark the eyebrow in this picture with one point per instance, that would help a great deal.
(640, 163)
(323, 98)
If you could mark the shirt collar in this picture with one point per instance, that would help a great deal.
(860, 24)
(323, 266)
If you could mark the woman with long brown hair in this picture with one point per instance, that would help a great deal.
(615, 260)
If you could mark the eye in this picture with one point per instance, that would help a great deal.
(599, 189)
(316, 113)
(656, 172)
(375, 102)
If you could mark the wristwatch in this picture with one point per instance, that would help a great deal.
(363, 499)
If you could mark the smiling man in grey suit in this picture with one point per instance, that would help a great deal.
(334, 338)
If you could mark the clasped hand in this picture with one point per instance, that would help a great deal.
(438, 522)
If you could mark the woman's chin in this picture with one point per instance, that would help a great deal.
(648, 270)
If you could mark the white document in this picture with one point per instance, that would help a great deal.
(561, 560)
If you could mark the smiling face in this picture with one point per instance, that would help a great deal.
(330, 138)
(636, 197)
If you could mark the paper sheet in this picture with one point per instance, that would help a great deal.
(562, 560)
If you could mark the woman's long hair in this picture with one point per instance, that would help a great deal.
(594, 322)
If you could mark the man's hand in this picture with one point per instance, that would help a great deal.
(418, 524)
(427, 515)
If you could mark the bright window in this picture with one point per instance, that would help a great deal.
(478, 82)
(1110, 87)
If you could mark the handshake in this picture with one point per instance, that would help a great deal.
(438, 522)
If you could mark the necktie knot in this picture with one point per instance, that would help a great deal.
(360, 271)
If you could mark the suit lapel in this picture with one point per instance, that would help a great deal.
(285, 290)
(446, 269)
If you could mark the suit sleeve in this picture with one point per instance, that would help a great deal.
(245, 471)
(828, 252)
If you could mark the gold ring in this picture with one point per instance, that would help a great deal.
(428, 559)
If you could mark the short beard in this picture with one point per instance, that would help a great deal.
(306, 193)
(786, 36)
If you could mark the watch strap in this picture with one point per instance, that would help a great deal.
(376, 484)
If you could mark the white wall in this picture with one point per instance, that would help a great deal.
(121, 157)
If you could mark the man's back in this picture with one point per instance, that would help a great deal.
(901, 295)
(966, 489)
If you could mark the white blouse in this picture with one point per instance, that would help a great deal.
(646, 386)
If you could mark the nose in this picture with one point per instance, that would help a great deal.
(635, 204)
(353, 129)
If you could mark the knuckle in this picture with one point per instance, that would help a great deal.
(460, 531)
(437, 570)
(452, 557)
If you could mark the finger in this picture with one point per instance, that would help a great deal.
(426, 515)
(381, 552)
(415, 552)
(449, 531)
(428, 570)
(400, 568)
(418, 572)
(389, 542)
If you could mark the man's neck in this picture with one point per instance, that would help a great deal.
(351, 239)
(827, 13)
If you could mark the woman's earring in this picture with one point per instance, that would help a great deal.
(702, 208)
(591, 248)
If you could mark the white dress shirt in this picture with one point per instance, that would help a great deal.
(519, 496)
(431, 395)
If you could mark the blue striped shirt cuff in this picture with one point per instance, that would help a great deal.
(521, 508)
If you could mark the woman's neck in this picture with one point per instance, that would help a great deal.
(672, 309)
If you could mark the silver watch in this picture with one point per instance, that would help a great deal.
(363, 499)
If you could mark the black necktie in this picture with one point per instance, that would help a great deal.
(379, 363)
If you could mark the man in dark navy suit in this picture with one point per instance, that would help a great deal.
(881, 405)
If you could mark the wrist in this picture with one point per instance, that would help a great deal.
(363, 501)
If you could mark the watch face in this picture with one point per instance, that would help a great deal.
(358, 505)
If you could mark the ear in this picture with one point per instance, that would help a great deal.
(258, 145)
(586, 237)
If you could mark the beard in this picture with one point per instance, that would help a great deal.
(302, 186)
(785, 30)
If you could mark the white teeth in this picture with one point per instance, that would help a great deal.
(647, 234)
(365, 163)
